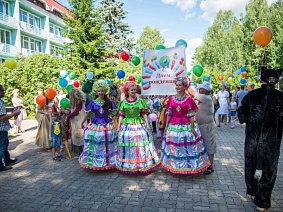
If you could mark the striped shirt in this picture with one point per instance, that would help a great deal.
(4, 124)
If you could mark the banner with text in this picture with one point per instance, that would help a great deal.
(160, 68)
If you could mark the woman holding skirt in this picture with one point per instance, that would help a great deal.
(136, 151)
(182, 150)
(99, 152)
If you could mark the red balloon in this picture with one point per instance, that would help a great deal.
(220, 77)
(244, 74)
(132, 78)
(262, 36)
(50, 93)
(40, 100)
(76, 84)
(125, 56)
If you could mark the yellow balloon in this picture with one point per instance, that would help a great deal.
(230, 79)
(10, 63)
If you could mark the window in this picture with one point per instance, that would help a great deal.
(54, 50)
(4, 7)
(5, 36)
(30, 19)
(31, 44)
(55, 30)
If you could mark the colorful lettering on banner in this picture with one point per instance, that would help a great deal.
(160, 68)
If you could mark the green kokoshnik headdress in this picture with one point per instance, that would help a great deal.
(98, 84)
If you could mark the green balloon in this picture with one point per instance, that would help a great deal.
(139, 79)
(65, 103)
(189, 74)
(72, 76)
(69, 88)
(159, 47)
(197, 70)
(136, 60)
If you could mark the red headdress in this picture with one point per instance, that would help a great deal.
(127, 85)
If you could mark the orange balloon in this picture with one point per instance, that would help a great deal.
(249, 87)
(244, 74)
(50, 93)
(262, 36)
(220, 77)
(40, 100)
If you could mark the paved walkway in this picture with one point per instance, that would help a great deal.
(37, 183)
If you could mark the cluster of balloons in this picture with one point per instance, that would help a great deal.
(69, 81)
(50, 93)
(10, 63)
(125, 56)
(242, 71)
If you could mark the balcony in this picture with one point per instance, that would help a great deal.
(28, 52)
(58, 39)
(8, 20)
(33, 30)
(7, 49)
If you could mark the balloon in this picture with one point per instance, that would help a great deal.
(136, 60)
(76, 84)
(189, 73)
(89, 75)
(125, 56)
(243, 81)
(69, 88)
(63, 83)
(230, 79)
(262, 36)
(231, 75)
(244, 74)
(243, 69)
(197, 70)
(10, 63)
(181, 42)
(152, 116)
(249, 87)
(50, 93)
(40, 100)
(72, 76)
(207, 78)
(238, 72)
(65, 103)
(108, 81)
(139, 79)
(159, 47)
(63, 73)
(121, 74)
(220, 77)
(132, 78)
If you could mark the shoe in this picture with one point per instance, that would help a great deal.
(56, 158)
(261, 209)
(11, 161)
(232, 127)
(5, 168)
(208, 171)
(251, 196)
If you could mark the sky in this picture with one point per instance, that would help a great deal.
(177, 19)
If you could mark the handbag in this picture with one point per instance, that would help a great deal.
(79, 133)
(217, 105)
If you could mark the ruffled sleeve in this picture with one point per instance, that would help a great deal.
(169, 107)
(89, 106)
(192, 107)
(113, 111)
(143, 106)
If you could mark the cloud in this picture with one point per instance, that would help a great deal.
(194, 43)
(184, 5)
(211, 7)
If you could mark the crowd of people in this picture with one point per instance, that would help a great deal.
(113, 130)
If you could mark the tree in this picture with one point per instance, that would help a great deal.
(149, 39)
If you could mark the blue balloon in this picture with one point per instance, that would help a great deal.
(238, 72)
(243, 81)
(63, 73)
(243, 69)
(108, 81)
(89, 75)
(63, 83)
(121, 74)
(181, 42)
(207, 78)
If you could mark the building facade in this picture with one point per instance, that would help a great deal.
(31, 26)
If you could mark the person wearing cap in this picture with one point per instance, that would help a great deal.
(262, 111)
(205, 120)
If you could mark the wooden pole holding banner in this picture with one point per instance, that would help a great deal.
(67, 148)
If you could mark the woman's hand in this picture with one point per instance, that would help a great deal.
(195, 133)
(118, 129)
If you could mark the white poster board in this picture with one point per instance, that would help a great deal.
(160, 68)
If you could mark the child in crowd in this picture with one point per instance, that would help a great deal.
(233, 111)
(55, 136)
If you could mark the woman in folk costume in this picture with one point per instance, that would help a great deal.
(162, 116)
(77, 106)
(182, 150)
(136, 151)
(100, 135)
